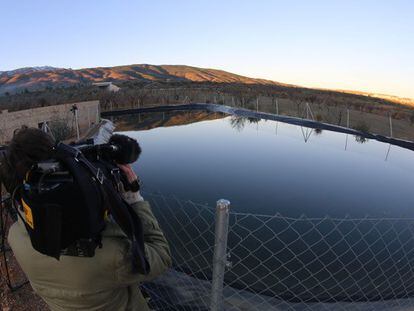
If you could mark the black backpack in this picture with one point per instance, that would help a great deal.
(66, 207)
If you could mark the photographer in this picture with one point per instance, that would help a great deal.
(104, 281)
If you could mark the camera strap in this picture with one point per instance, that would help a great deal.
(122, 212)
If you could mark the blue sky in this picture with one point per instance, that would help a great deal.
(360, 45)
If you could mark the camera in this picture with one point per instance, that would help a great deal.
(67, 199)
(120, 149)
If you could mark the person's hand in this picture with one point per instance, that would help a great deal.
(129, 173)
(130, 196)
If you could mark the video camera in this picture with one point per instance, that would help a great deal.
(120, 149)
(67, 199)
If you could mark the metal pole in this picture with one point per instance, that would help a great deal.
(347, 118)
(220, 254)
(44, 127)
(77, 124)
(391, 134)
(98, 114)
(257, 104)
(310, 111)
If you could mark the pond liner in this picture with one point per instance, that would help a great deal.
(292, 297)
(265, 116)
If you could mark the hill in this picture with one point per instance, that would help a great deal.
(391, 98)
(37, 78)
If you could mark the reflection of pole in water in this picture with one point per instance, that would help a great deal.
(347, 125)
(277, 125)
(388, 152)
(306, 133)
(346, 142)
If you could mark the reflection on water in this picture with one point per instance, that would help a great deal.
(267, 167)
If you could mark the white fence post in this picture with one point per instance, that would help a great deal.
(220, 254)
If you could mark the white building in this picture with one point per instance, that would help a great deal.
(107, 86)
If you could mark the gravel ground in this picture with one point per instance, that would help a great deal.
(22, 299)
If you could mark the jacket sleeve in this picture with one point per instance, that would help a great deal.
(156, 248)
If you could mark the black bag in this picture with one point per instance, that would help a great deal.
(65, 210)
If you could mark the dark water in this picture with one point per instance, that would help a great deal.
(269, 167)
(266, 167)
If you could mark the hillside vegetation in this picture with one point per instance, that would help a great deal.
(149, 85)
(31, 79)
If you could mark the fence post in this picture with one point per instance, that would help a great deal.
(347, 118)
(220, 254)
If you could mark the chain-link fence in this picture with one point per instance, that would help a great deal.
(272, 262)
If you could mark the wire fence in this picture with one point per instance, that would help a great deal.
(272, 262)
(387, 120)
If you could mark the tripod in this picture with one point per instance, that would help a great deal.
(6, 213)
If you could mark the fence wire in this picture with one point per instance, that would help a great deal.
(189, 228)
(392, 121)
(282, 263)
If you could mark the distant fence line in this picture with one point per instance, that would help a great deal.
(390, 124)
(307, 125)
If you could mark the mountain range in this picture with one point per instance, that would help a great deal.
(37, 78)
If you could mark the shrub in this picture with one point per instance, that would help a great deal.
(60, 129)
(362, 127)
